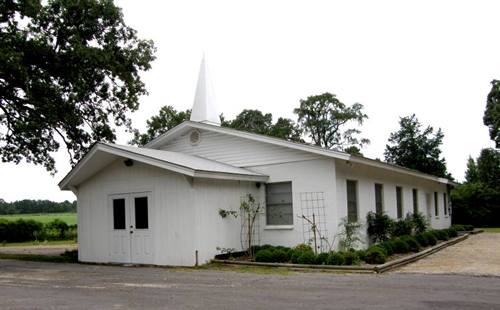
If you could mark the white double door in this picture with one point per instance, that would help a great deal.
(131, 237)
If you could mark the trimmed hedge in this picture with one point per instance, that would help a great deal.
(375, 255)
(335, 258)
(29, 230)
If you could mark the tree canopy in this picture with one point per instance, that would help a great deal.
(69, 70)
(416, 148)
(477, 201)
(167, 118)
(256, 122)
(27, 206)
(324, 118)
(492, 113)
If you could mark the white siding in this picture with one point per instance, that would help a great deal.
(185, 213)
(368, 176)
(236, 151)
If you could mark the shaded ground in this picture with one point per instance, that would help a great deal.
(38, 249)
(48, 285)
(477, 255)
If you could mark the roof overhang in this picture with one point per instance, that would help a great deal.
(101, 155)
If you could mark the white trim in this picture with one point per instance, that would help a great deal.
(278, 227)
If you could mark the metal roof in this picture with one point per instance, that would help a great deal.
(102, 154)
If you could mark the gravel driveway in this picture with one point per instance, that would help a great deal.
(36, 285)
(477, 255)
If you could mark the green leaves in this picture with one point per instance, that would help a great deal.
(324, 117)
(69, 70)
(492, 113)
(167, 119)
(417, 149)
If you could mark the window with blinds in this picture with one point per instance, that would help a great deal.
(279, 207)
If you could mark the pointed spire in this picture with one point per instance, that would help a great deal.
(205, 107)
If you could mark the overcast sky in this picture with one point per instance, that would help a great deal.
(432, 58)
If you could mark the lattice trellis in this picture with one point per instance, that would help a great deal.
(313, 209)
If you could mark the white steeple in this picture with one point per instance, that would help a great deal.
(205, 108)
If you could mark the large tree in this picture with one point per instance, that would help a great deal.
(324, 118)
(416, 148)
(257, 122)
(167, 118)
(69, 71)
(492, 113)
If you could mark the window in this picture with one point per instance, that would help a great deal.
(415, 201)
(119, 213)
(279, 208)
(141, 212)
(399, 201)
(352, 201)
(445, 204)
(436, 207)
(379, 205)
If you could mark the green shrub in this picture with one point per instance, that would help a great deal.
(351, 258)
(412, 243)
(431, 237)
(264, 256)
(379, 226)
(335, 258)
(441, 234)
(458, 227)
(400, 246)
(280, 255)
(388, 246)
(294, 256)
(20, 230)
(58, 227)
(420, 223)
(452, 233)
(403, 227)
(375, 255)
(361, 254)
(303, 248)
(321, 259)
(307, 258)
(469, 227)
(422, 239)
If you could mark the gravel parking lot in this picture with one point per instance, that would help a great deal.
(36, 285)
(478, 255)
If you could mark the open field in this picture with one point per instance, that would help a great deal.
(69, 218)
(491, 229)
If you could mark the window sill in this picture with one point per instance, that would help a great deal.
(437, 217)
(278, 227)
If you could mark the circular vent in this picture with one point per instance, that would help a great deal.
(194, 137)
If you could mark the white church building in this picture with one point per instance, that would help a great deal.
(159, 204)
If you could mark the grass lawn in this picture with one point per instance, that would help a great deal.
(491, 229)
(69, 218)
(36, 243)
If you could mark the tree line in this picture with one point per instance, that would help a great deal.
(28, 206)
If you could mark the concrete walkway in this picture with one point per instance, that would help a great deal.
(478, 255)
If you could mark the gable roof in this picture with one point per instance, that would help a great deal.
(187, 125)
(102, 154)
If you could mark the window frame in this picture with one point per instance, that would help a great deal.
(269, 206)
(356, 201)
(436, 204)
(445, 204)
(399, 202)
(414, 193)
(381, 198)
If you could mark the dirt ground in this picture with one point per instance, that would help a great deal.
(478, 255)
(38, 249)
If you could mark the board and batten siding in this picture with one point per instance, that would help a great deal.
(184, 213)
(236, 151)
